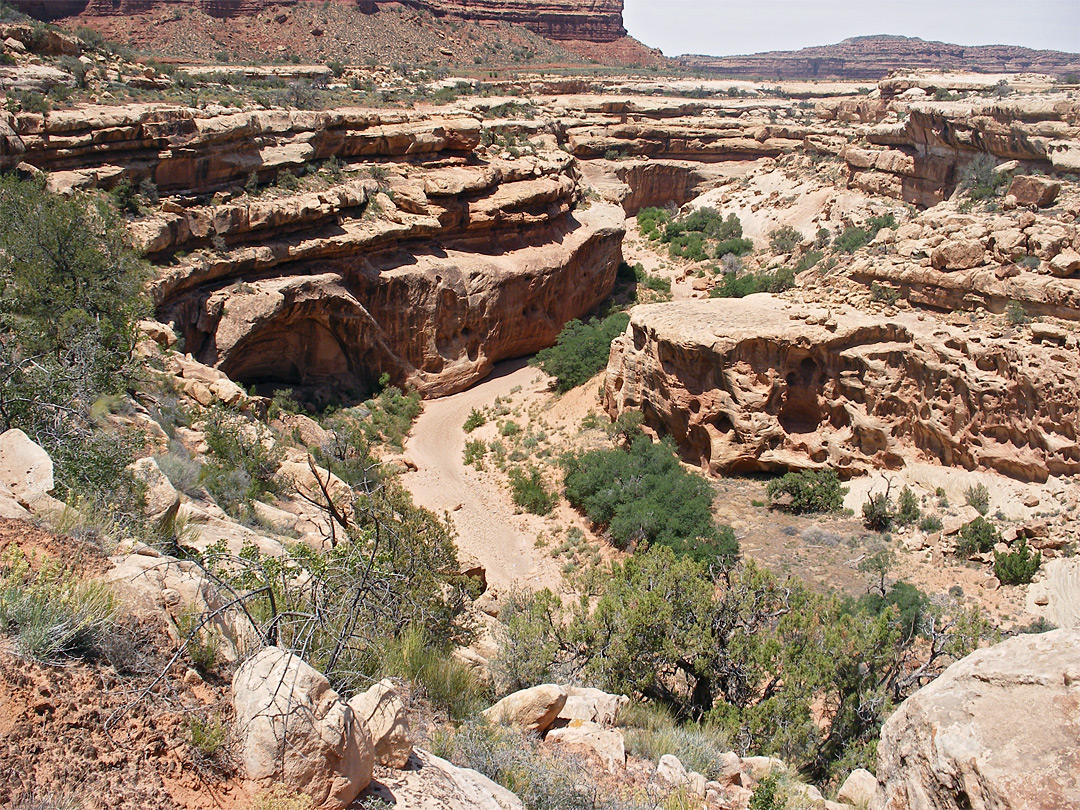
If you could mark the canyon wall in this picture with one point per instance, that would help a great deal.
(762, 384)
(426, 256)
(872, 57)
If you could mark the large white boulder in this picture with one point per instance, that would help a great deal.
(606, 743)
(532, 710)
(382, 712)
(294, 729)
(997, 730)
(24, 466)
(592, 705)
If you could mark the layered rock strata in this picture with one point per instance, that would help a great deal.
(872, 57)
(590, 20)
(429, 258)
(763, 384)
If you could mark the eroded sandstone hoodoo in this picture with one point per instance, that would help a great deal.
(763, 384)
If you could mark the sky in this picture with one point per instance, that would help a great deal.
(724, 27)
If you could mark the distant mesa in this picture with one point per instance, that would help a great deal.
(589, 20)
(871, 58)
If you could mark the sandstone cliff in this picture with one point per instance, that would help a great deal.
(762, 384)
(870, 58)
(430, 258)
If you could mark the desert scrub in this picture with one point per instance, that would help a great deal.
(475, 449)
(805, 492)
(978, 497)
(580, 351)
(447, 683)
(977, 537)
(240, 469)
(736, 285)
(52, 612)
(529, 491)
(474, 420)
(641, 495)
(651, 732)
(393, 412)
(541, 779)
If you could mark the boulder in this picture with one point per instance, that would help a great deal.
(294, 729)
(859, 788)
(592, 705)
(958, 254)
(1065, 263)
(997, 730)
(760, 767)
(1034, 190)
(671, 770)
(382, 711)
(162, 499)
(531, 709)
(606, 743)
(24, 466)
(435, 784)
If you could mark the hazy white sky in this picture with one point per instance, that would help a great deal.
(722, 27)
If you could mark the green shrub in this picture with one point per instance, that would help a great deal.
(201, 643)
(878, 512)
(980, 177)
(851, 239)
(907, 508)
(474, 420)
(651, 732)
(651, 221)
(581, 350)
(529, 492)
(978, 496)
(72, 292)
(806, 492)
(509, 428)
(642, 494)
(392, 414)
(475, 449)
(239, 469)
(1016, 315)
(207, 736)
(1017, 567)
(739, 286)
(930, 523)
(784, 239)
(736, 246)
(449, 684)
(977, 537)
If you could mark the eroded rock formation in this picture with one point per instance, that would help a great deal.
(763, 384)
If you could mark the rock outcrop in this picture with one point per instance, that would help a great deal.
(762, 384)
(871, 58)
(997, 730)
(531, 710)
(294, 729)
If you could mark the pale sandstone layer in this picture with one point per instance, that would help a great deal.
(763, 384)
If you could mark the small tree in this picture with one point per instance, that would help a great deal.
(878, 512)
(878, 565)
(977, 537)
(907, 508)
(1017, 567)
(978, 496)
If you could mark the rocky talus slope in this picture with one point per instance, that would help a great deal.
(870, 58)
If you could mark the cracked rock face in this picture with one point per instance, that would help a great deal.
(760, 384)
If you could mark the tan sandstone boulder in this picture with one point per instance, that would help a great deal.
(592, 705)
(382, 712)
(958, 254)
(532, 709)
(294, 729)
(997, 730)
(439, 785)
(24, 466)
(606, 743)
(859, 789)
(1034, 190)
(162, 499)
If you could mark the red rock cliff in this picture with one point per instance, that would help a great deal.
(593, 20)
